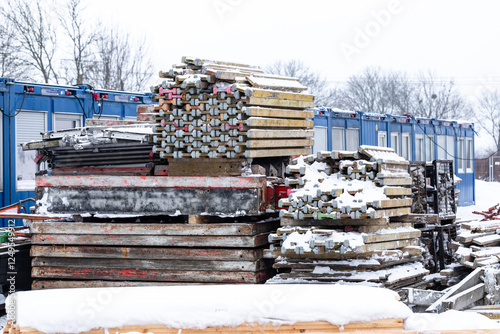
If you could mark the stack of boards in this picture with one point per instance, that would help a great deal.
(127, 253)
(210, 108)
(478, 244)
(345, 221)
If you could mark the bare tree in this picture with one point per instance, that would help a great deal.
(34, 34)
(316, 83)
(82, 39)
(119, 63)
(488, 114)
(374, 90)
(11, 65)
(439, 99)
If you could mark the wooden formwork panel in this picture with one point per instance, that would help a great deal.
(157, 275)
(151, 240)
(218, 229)
(178, 265)
(103, 252)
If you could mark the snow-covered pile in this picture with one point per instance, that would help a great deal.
(78, 310)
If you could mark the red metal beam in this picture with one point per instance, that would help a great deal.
(104, 181)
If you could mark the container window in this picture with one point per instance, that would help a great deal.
(320, 139)
(429, 147)
(406, 146)
(395, 136)
(352, 139)
(441, 141)
(419, 147)
(66, 121)
(460, 155)
(469, 155)
(382, 139)
(450, 147)
(338, 139)
(29, 125)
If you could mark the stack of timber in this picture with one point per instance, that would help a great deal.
(350, 186)
(336, 225)
(210, 108)
(158, 251)
(478, 244)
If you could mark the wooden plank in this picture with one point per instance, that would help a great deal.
(210, 167)
(277, 113)
(263, 143)
(276, 252)
(275, 83)
(468, 282)
(105, 181)
(202, 265)
(266, 134)
(278, 152)
(278, 123)
(124, 171)
(487, 240)
(151, 240)
(150, 275)
(372, 238)
(334, 222)
(176, 253)
(273, 102)
(397, 191)
(465, 298)
(401, 181)
(375, 228)
(219, 229)
(416, 218)
(267, 328)
(390, 212)
(68, 284)
(278, 94)
(392, 203)
(386, 245)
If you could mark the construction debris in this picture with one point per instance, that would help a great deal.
(216, 109)
(162, 250)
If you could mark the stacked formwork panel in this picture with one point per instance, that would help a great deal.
(336, 226)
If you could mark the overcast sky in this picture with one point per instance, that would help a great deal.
(458, 39)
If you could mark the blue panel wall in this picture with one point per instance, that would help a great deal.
(370, 123)
(52, 99)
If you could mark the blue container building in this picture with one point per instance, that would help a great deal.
(416, 139)
(29, 109)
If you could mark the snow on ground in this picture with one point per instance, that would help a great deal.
(487, 195)
(78, 310)
(449, 320)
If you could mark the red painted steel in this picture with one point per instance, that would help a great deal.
(100, 181)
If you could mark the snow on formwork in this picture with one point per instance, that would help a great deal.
(198, 307)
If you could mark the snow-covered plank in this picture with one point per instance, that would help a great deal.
(260, 133)
(390, 212)
(487, 241)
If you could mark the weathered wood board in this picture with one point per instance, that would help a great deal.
(151, 240)
(148, 253)
(219, 229)
(150, 275)
(199, 265)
